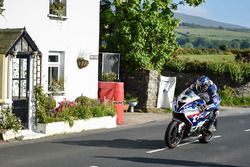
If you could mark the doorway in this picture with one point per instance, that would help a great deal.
(21, 87)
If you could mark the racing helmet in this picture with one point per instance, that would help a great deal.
(202, 83)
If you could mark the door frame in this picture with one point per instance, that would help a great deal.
(26, 101)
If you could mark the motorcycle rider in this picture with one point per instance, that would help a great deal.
(207, 90)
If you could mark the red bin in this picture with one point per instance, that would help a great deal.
(113, 91)
(119, 108)
(106, 91)
(119, 91)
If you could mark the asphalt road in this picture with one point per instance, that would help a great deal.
(135, 146)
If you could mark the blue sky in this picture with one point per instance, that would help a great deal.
(228, 11)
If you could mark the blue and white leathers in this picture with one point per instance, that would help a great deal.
(210, 96)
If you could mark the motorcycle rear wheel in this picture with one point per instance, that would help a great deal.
(172, 136)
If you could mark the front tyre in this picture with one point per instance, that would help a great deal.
(172, 134)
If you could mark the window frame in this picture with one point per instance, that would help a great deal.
(55, 14)
(59, 64)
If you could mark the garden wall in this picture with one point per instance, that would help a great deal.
(145, 84)
(185, 79)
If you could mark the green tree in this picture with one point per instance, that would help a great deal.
(143, 31)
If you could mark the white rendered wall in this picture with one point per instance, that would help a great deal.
(79, 32)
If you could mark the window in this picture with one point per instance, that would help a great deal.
(56, 71)
(57, 8)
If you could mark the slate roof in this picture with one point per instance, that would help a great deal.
(9, 37)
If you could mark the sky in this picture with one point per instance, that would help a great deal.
(228, 11)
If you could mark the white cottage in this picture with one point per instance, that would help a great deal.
(40, 41)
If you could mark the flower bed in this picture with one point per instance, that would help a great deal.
(78, 125)
(72, 116)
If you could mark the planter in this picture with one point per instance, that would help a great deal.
(81, 63)
(78, 126)
(132, 105)
(10, 135)
(126, 106)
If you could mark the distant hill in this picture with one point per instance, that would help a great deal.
(205, 22)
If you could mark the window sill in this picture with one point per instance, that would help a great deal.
(56, 17)
(59, 93)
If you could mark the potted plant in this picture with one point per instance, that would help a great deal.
(109, 76)
(57, 8)
(132, 101)
(56, 87)
(126, 105)
(81, 60)
(10, 125)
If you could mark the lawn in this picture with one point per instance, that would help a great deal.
(208, 58)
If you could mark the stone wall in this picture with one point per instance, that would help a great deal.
(145, 84)
(185, 79)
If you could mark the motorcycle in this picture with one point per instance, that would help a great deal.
(189, 119)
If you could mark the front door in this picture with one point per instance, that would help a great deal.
(20, 87)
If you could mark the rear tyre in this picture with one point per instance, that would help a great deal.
(172, 136)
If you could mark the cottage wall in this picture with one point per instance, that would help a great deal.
(78, 32)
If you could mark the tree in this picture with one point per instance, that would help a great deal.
(245, 44)
(143, 31)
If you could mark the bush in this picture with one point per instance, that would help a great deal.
(229, 98)
(9, 121)
(86, 101)
(236, 72)
(199, 51)
(242, 55)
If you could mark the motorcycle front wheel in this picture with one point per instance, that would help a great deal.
(172, 134)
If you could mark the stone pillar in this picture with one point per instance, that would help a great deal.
(143, 85)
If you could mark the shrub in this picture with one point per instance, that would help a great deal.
(9, 121)
(229, 98)
(109, 76)
(236, 72)
(242, 55)
(83, 100)
(83, 112)
(51, 103)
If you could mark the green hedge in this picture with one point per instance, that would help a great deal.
(197, 51)
(229, 98)
(236, 72)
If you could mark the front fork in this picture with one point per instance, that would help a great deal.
(181, 127)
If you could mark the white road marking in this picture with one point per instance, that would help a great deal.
(183, 144)
(247, 130)
(158, 150)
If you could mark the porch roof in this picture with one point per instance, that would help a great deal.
(10, 37)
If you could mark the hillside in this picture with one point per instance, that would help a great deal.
(213, 33)
(197, 32)
(205, 22)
